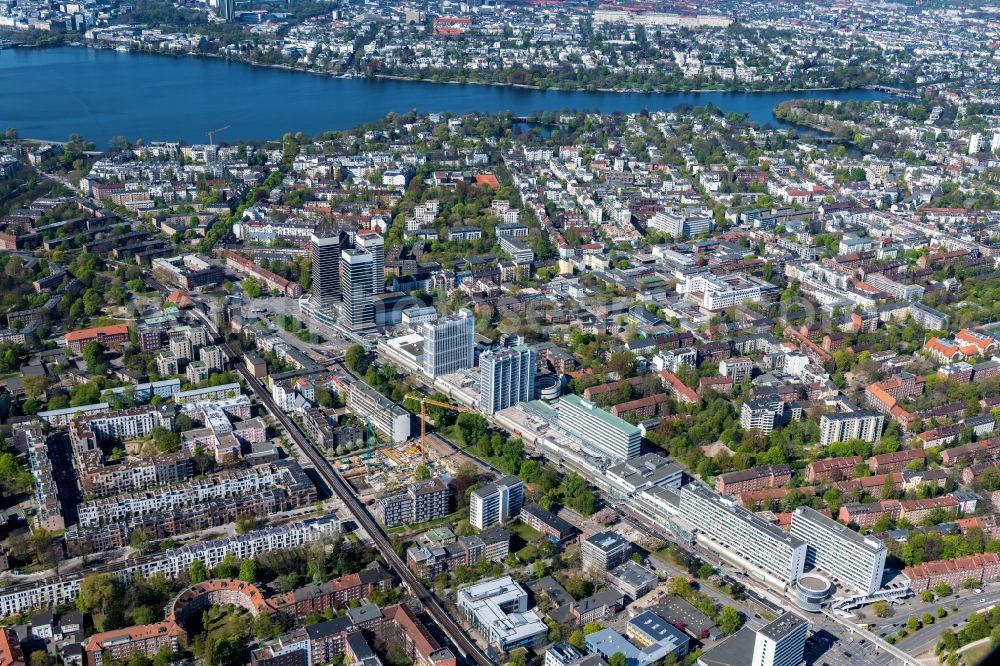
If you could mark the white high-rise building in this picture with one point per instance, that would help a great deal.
(863, 424)
(852, 558)
(743, 537)
(975, 143)
(995, 143)
(358, 311)
(448, 344)
(506, 378)
(373, 243)
(602, 432)
(781, 643)
(496, 503)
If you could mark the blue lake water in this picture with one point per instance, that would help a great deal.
(52, 93)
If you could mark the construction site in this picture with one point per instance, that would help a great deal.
(381, 468)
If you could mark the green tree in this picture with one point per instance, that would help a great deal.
(93, 357)
(421, 473)
(229, 567)
(356, 359)
(617, 659)
(98, 591)
(881, 608)
(729, 620)
(252, 288)
(197, 573)
(248, 571)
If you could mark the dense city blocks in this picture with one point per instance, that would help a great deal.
(479, 333)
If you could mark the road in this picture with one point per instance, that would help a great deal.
(925, 639)
(364, 519)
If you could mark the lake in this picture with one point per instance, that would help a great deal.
(52, 93)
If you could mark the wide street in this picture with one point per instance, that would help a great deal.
(925, 639)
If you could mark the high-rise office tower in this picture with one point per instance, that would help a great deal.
(781, 643)
(325, 253)
(225, 9)
(358, 311)
(506, 378)
(448, 344)
(374, 244)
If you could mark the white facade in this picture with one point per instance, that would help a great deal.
(781, 643)
(506, 378)
(448, 344)
(56, 591)
(732, 528)
(498, 609)
(496, 503)
(863, 424)
(683, 224)
(385, 416)
(720, 293)
(599, 430)
(356, 284)
(850, 557)
(372, 243)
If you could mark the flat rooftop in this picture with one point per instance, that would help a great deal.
(871, 544)
(783, 626)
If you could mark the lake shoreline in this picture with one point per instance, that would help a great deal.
(498, 84)
(105, 93)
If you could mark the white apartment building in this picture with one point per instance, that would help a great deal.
(129, 423)
(683, 223)
(863, 424)
(721, 292)
(498, 609)
(385, 416)
(849, 557)
(732, 530)
(781, 643)
(18, 599)
(496, 503)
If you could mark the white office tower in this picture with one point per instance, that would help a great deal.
(371, 242)
(358, 311)
(496, 503)
(325, 254)
(849, 557)
(448, 344)
(995, 143)
(599, 431)
(781, 643)
(506, 378)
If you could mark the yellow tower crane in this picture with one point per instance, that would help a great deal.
(424, 401)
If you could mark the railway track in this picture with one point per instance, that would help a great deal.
(466, 647)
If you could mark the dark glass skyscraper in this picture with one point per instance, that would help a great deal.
(356, 275)
(325, 252)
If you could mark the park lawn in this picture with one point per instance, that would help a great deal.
(423, 527)
(525, 532)
(975, 655)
